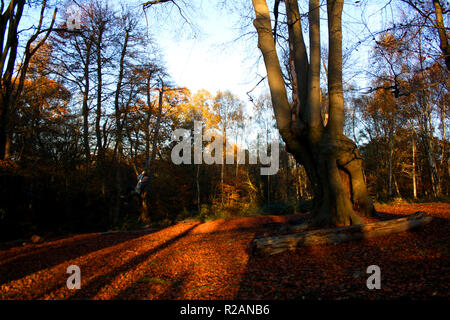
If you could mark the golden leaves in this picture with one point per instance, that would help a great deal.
(212, 260)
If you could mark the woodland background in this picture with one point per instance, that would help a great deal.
(89, 110)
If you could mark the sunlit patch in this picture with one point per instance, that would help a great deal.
(213, 260)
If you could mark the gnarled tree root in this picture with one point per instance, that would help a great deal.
(277, 244)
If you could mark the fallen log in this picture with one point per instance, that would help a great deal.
(277, 244)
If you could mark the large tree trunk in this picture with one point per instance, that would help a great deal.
(331, 160)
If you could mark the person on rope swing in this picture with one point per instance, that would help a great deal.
(143, 181)
(139, 189)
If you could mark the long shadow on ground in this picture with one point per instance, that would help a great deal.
(414, 264)
(91, 289)
(30, 260)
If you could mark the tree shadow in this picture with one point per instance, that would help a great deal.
(29, 261)
(338, 271)
(173, 290)
(385, 215)
(269, 224)
(90, 290)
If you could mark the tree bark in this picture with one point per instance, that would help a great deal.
(98, 132)
(150, 166)
(414, 168)
(85, 107)
(197, 183)
(119, 135)
(391, 155)
(427, 127)
(328, 156)
(442, 32)
(9, 23)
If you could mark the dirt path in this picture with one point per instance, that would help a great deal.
(213, 261)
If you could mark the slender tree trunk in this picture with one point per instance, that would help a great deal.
(119, 135)
(4, 127)
(300, 184)
(150, 166)
(235, 150)
(442, 32)
(391, 153)
(444, 167)
(98, 132)
(222, 167)
(85, 109)
(432, 164)
(414, 168)
(8, 145)
(397, 190)
(149, 116)
(428, 127)
(197, 182)
(267, 152)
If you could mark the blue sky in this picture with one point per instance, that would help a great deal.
(206, 63)
(209, 58)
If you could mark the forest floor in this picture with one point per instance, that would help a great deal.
(213, 260)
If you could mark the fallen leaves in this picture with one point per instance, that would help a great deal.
(213, 260)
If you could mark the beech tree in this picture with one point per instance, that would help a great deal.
(331, 160)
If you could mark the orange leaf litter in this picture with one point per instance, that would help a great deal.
(213, 260)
